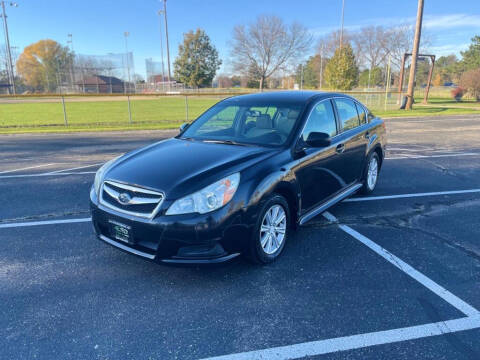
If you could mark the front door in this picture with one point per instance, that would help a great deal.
(316, 171)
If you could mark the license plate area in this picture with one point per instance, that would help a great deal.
(121, 231)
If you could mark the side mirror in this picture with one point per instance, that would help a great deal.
(318, 140)
(184, 126)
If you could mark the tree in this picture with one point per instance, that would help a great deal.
(197, 61)
(471, 57)
(267, 46)
(311, 72)
(470, 81)
(371, 77)
(44, 64)
(447, 69)
(372, 43)
(342, 72)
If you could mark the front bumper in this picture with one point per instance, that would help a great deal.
(185, 239)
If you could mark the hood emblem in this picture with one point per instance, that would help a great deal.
(124, 198)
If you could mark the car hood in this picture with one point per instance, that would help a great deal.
(179, 167)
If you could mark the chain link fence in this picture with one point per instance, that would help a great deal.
(148, 111)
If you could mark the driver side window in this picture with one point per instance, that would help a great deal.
(321, 119)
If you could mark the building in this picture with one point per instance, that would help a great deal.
(102, 84)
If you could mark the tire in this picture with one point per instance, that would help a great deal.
(266, 243)
(370, 173)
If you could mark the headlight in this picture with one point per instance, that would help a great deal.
(208, 199)
(100, 173)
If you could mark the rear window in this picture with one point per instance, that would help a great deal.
(347, 113)
(361, 114)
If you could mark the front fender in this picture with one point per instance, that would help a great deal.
(283, 182)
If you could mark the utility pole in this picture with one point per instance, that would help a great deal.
(341, 29)
(166, 35)
(11, 74)
(160, 12)
(413, 66)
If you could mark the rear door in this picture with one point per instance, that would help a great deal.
(352, 140)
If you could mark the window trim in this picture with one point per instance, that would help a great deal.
(359, 105)
(340, 124)
(299, 136)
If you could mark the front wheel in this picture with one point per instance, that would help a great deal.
(371, 173)
(271, 231)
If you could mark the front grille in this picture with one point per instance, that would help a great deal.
(130, 199)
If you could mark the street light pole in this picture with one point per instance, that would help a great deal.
(413, 66)
(321, 66)
(70, 43)
(166, 35)
(126, 33)
(160, 12)
(341, 29)
(11, 74)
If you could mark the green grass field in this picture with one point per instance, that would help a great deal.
(84, 114)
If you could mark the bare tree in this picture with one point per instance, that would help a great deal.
(399, 40)
(331, 41)
(373, 43)
(266, 46)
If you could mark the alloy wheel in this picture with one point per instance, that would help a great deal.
(273, 229)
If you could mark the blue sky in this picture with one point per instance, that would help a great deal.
(98, 26)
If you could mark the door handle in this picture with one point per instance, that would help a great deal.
(340, 148)
(367, 135)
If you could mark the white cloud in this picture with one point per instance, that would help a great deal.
(438, 22)
(447, 49)
(451, 21)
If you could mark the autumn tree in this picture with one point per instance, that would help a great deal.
(342, 72)
(266, 46)
(470, 81)
(43, 64)
(197, 61)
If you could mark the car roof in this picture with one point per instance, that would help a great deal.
(286, 97)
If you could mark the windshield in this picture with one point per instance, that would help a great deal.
(259, 124)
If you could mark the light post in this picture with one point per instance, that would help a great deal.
(160, 13)
(341, 28)
(72, 78)
(11, 74)
(126, 34)
(166, 36)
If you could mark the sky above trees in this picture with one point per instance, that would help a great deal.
(98, 26)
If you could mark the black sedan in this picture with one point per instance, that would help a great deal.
(240, 178)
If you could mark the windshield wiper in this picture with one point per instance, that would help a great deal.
(227, 142)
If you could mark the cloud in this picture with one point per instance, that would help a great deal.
(437, 22)
(451, 21)
(447, 49)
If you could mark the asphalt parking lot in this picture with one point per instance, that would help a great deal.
(395, 275)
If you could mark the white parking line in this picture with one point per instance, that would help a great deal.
(45, 222)
(371, 198)
(407, 269)
(320, 347)
(75, 168)
(47, 174)
(25, 168)
(430, 156)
